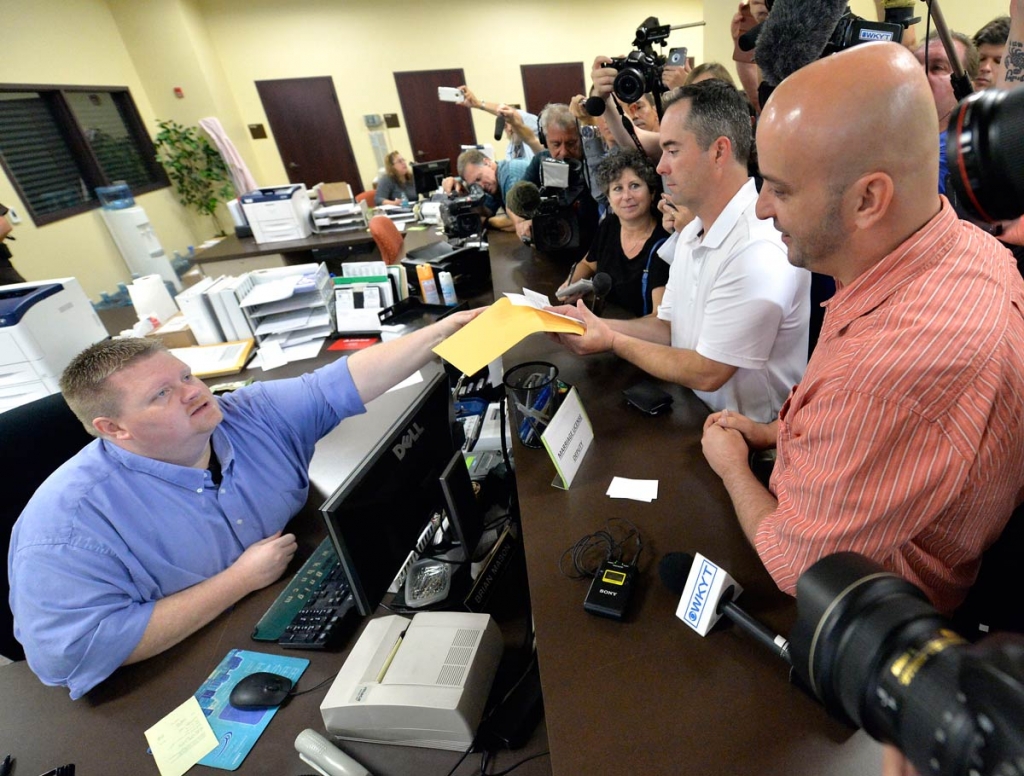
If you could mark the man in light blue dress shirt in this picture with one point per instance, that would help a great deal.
(177, 510)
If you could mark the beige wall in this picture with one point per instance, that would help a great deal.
(215, 49)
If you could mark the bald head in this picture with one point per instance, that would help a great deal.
(868, 108)
(858, 122)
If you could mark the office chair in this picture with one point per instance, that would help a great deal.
(367, 197)
(387, 237)
(35, 439)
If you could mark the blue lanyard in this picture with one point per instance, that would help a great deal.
(647, 269)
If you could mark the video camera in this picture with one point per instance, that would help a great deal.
(556, 223)
(640, 70)
(853, 29)
(871, 647)
(460, 218)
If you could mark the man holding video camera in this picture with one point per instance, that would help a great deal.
(903, 441)
(560, 133)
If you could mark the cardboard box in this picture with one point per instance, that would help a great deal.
(335, 194)
(175, 333)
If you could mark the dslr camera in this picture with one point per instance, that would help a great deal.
(640, 70)
(556, 223)
(875, 652)
(986, 157)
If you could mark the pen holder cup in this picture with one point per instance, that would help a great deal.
(532, 390)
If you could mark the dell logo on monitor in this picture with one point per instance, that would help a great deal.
(408, 439)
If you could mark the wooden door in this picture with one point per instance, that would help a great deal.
(436, 129)
(305, 118)
(551, 83)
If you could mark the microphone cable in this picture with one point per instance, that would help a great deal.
(585, 557)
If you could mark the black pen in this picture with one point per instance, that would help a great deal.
(5, 766)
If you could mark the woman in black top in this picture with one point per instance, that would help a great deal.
(627, 240)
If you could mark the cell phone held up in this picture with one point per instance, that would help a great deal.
(677, 57)
(450, 94)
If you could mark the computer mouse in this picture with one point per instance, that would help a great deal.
(260, 690)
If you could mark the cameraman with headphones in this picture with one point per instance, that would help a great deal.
(559, 133)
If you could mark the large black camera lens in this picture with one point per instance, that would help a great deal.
(630, 85)
(876, 653)
(986, 153)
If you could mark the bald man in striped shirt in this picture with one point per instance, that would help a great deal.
(905, 439)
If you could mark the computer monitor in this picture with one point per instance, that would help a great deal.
(464, 515)
(378, 513)
(428, 175)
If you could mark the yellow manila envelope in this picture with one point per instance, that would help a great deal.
(497, 330)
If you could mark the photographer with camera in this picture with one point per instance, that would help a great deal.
(902, 441)
(733, 323)
(475, 168)
(603, 76)
(628, 238)
(560, 134)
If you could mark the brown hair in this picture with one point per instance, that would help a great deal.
(389, 168)
(84, 382)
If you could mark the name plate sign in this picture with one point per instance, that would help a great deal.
(567, 439)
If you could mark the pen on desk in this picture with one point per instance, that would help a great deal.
(5, 766)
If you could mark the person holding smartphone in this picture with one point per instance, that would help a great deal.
(8, 274)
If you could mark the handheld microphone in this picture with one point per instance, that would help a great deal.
(707, 594)
(795, 34)
(523, 199)
(499, 127)
(602, 285)
(594, 106)
(319, 753)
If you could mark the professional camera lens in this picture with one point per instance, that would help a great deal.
(877, 654)
(985, 148)
(630, 85)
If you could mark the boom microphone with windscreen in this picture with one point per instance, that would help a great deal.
(795, 34)
(523, 199)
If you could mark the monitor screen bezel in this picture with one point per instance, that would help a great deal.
(368, 598)
(419, 169)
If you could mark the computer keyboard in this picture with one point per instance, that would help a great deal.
(315, 610)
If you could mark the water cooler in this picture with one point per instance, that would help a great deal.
(132, 232)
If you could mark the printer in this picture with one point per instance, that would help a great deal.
(419, 682)
(43, 325)
(278, 213)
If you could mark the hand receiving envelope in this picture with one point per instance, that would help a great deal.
(501, 327)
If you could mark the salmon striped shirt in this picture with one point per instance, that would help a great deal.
(904, 440)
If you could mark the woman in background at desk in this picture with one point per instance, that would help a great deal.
(397, 185)
(627, 241)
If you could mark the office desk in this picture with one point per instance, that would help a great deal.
(294, 251)
(103, 732)
(649, 695)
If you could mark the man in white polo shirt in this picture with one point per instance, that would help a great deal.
(733, 324)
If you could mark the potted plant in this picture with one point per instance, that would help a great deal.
(195, 167)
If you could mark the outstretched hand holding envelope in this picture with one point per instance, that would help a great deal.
(502, 326)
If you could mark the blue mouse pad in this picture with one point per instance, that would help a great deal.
(237, 730)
